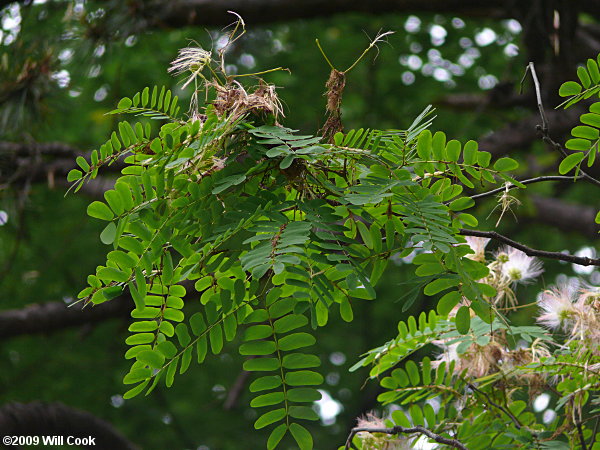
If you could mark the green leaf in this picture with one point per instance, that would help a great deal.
(276, 435)
(137, 375)
(578, 144)
(303, 377)
(448, 302)
(303, 395)
(365, 234)
(461, 203)
(109, 234)
(567, 164)
(505, 164)
(453, 150)
(122, 259)
(302, 436)
(258, 332)
(152, 358)
(124, 103)
(136, 390)
(265, 383)
(148, 325)
(112, 274)
(584, 77)
(269, 418)
(74, 175)
(171, 370)
(424, 145)
(114, 201)
(470, 152)
(569, 88)
(145, 96)
(439, 285)
(286, 162)
(303, 412)
(140, 338)
(258, 348)
(272, 398)
(289, 323)
(261, 364)
(300, 361)
(100, 211)
(585, 132)
(483, 158)
(295, 341)
(463, 320)
(591, 119)
(592, 67)
(216, 339)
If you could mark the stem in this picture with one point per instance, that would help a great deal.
(324, 55)
(259, 73)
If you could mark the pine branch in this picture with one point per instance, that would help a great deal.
(398, 429)
(581, 260)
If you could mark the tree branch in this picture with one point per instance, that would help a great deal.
(544, 127)
(56, 419)
(528, 181)
(581, 260)
(53, 316)
(178, 13)
(398, 429)
(506, 411)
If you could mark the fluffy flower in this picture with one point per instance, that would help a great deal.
(517, 266)
(372, 441)
(478, 245)
(190, 59)
(558, 308)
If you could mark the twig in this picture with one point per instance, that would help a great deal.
(595, 431)
(581, 260)
(538, 94)
(372, 44)
(544, 127)
(510, 415)
(581, 438)
(398, 429)
(528, 181)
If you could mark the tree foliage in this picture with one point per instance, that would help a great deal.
(278, 231)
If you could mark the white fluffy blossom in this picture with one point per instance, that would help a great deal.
(190, 59)
(478, 245)
(517, 266)
(558, 308)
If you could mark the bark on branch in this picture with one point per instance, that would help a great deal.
(53, 316)
(581, 260)
(402, 430)
(56, 419)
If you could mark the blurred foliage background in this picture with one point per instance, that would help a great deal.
(64, 65)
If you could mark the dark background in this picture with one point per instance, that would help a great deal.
(63, 65)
